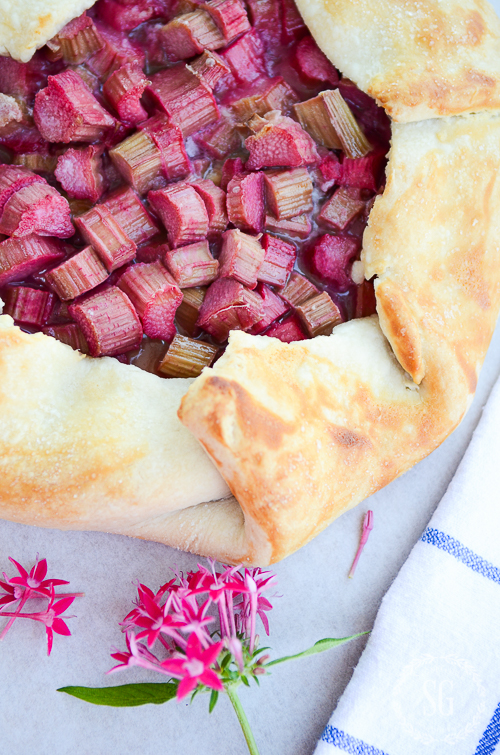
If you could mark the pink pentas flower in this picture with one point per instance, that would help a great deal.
(50, 617)
(193, 667)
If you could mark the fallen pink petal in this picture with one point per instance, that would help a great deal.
(367, 528)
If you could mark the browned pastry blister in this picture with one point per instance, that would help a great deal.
(298, 432)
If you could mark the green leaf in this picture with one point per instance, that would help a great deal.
(125, 695)
(213, 700)
(245, 681)
(318, 647)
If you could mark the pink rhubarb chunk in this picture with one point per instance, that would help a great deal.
(245, 202)
(187, 101)
(129, 212)
(118, 50)
(155, 295)
(169, 140)
(227, 306)
(29, 306)
(245, 58)
(331, 258)
(13, 178)
(192, 265)
(127, 16)
(210, 68)
(124, 89)
(77, 275)
(232, 167)
(341, 208)
(109, 322)
(65, 111)
(363, 172)
(241, 257)
(70, 334)
(312, 65)
(182, 212)
(289, 192)
(79, 171)
(20, 258)
(280, 143)
(230, 16)
(37, 208)
(274, 307)
(299, 227)
(297, 290)
(278, 262)
(287, 331)
(215, 204)
(100, 229)
(190, 33)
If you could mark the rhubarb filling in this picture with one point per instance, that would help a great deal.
(173, 171)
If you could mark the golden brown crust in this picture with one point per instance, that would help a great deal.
(302, 432)
(418, 58)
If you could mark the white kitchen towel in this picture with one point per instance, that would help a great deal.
(428, 681)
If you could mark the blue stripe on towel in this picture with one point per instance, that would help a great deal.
(349, 744)
(491, 736)
(461, 553)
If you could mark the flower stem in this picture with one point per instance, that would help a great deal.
(236, 703)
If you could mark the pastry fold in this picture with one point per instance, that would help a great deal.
(304, 431)
(418, 58)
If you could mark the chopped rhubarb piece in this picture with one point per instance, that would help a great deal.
(186, 358)
(329, 171)
(319, 315)
(312, 64)
(245, 202)
(366, 302)
(219, 139)
(230, 16)
(278, 262)
(215, 204)
(65, 111)
(232, 167)
(9, 110)
(281, 142)
(199, 167)
(245, 58)
(70, 334)
(100, 229)
(341, 208)
(77, 275)
(21, 137)
(190, 34)
(210, 68)
(363, 172)
(14, 178)
(78, 40)
(117, 50)
(277, 95)
(139, 161)
(79, 171)
(265, 16)
(109, 322)
(186, 99)
(29, 306)
(329, 120)
(182, 212)
(289, 192)
(127, 16)
(293, 25)
(298, 290)
(227, 306)
(287, 331)
(192, 265)
(241, 257)
(36, 162)
(299, 227)
(155, 295)
(129, 212)
(23, 79)
(274, 307)
(124, 89)
(169, 140)
(372, 117)
(20, 258)
(189, 309)
(331, 256)
(39, 209)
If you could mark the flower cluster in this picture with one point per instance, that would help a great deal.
(33, 585)
(204, 626)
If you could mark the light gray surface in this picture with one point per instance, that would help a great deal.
(292, 706)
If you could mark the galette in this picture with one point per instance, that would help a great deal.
(249, 259)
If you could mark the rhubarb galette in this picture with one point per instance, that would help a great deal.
(186, 184)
